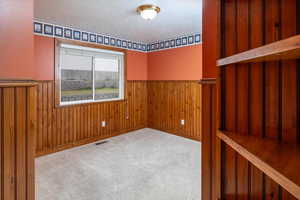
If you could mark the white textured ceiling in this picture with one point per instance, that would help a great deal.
(119, 17)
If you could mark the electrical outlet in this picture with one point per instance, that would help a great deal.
(182, 122)
(103, 123)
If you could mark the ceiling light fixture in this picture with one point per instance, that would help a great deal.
(148, 12)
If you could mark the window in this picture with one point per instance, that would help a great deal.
(89, 74)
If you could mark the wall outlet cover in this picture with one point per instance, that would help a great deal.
(182, 122)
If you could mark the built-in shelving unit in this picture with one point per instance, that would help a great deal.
(280, 161)
(258, 141)
(282, 50)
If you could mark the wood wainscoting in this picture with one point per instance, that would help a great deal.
(155, 104)
(61, 128)
(169, 102)
(17, 138)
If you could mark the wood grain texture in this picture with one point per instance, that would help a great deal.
(283, 168)
(154, 104)
(208, 133)
(17, 140)
(172, 101)
(257, 99)
(61, 128)
(16, 83)
(287, 49)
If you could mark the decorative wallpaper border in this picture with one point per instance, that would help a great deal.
(175, 43)
(57, 31)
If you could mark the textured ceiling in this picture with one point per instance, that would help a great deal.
(119, 17)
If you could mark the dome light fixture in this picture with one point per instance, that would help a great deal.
(148, 11)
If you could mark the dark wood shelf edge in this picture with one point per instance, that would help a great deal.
(265, 167)
(207, 81)
(281, 50)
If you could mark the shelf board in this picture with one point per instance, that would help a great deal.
(279, 161)
(281, 50)
(207, 81)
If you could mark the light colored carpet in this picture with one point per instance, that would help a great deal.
(141, 165)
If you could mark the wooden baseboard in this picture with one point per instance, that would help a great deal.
(176, 132)
(95, 139)
(83, 142)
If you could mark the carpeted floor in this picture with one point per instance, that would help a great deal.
(141, 165)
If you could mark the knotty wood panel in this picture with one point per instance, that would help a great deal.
(17, 133)
(259, 99)
(65, 127)
(172, 101)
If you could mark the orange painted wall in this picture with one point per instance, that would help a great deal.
(44, 57)
(184, 63)
(44, 61)
(16, 57)
(137, 65)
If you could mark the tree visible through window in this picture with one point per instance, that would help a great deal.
(88, 74)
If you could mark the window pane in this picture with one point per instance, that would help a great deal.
(106, 78)
(76, 77)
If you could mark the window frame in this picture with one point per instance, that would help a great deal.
(57, 75)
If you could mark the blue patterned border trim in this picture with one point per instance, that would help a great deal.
(175, 43)
(52, 30)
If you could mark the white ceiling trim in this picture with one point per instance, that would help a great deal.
(58, 31)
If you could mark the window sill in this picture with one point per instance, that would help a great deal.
(83, 103)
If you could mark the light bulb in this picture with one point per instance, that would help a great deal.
(148, 14)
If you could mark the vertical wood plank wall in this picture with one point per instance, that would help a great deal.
(17, 140)
(257, 99)
(154, 104)
(172, 101)
(65, 127)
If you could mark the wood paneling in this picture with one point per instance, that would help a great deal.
(154, 104)
(208, 127)
(17, 134)
(257, 99)
(65, 127)
(172, 101)
(210, 172)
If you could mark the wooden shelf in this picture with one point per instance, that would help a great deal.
(281, 50)
(207, 81)
(279, 161)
